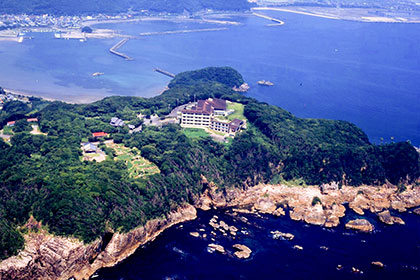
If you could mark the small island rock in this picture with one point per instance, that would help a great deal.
(216, 247)
(388, 219)
(194, 234)
(360, 225)
(378, 264)
(243, 251)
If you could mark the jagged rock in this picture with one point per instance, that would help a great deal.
(279, 212)
(315, 215)
(386, 218)
(216, 247)
(360, 225)
(339, 267)
(417, 211)
(325, 248)
(195, 234)
(327, 188)
(224, 225)
(356, 270)
(378, 264)
(265, 205)
(243, 251)
(297, 247)
(358, 211)
(277, 234)
(233, 229)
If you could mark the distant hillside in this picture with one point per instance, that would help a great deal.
(76, 7)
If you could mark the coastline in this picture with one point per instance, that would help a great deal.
(352, 14)
(66, 257)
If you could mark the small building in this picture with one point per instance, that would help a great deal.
(12, 123)
(32, 120)
(235, 125)
(99, 134)
(116, 122)
(89, 148)
(130, 126)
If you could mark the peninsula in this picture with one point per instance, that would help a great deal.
(93, 182)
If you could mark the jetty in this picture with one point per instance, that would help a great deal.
(114, 49)
(277, 21)
(166, 73)
(182, 31)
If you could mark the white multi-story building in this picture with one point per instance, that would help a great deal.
(202, 115)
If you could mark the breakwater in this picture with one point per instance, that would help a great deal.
(114, 49)
(277, 21)
(183, 31)
(166, 73)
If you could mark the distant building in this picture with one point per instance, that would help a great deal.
(116, 122)
(99, 134)
(130, 126)
(12, 123)
(32, 120)
(89, 148)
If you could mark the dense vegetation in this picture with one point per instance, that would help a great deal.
(44, 176)
(77, 7)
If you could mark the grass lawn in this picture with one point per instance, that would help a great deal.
(7, 130)
(137, 165)
(195, 132)
(239, 111)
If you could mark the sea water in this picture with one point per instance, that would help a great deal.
(365, 73)
(177, 255)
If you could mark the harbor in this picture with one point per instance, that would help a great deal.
(114, 49)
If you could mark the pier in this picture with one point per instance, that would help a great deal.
(166, 73)
(277, 21)
(183, 31)
(114, 49)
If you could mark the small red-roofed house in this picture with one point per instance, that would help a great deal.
(12, 123)
(99, 134)
(32, 120)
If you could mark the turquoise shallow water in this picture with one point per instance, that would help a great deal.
(366, 73)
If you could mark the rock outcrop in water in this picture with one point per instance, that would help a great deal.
(362, 225)
(51, 257)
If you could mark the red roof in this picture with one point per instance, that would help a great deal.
(99, 134)
(32, 120)
(11, 123)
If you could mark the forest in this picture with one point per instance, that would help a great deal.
(43, 175)
(90, 7)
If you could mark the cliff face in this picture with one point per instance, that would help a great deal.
(52, 257)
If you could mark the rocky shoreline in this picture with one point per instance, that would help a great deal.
(50, 257)
(323, 205)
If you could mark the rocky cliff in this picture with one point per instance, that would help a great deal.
(51, 257)
(315, 205)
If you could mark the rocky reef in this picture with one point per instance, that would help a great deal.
(51, 257)
(317, 205)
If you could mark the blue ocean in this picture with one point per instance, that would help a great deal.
(177, 255)
(365, 73)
